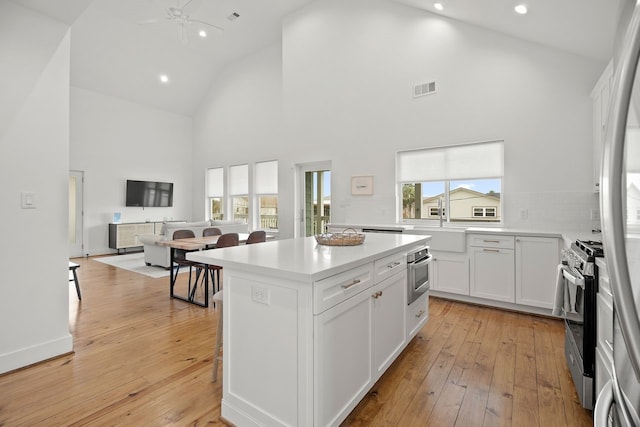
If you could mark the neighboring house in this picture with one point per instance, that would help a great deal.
(633, 205)
(466, 205)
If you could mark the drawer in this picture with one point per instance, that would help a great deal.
(390, 265)
(492, 241)
(335, 289)
(605, 323)
(417, 315)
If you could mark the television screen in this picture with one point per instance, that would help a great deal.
(149, 193)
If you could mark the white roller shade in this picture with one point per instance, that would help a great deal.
(215, 182)
(266, 175)
(471, 161)
(239, 180)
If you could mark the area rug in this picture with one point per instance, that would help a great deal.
(135, 262)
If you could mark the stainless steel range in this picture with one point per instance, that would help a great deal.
(580, 276)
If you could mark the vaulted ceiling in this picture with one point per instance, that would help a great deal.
(116, 51)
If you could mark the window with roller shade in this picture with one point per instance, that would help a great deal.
(239, 192)
(453, 184)
(266, 191)
(215, 193)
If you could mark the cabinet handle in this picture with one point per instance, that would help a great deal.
(394, 265)
(377, 295)
(420, 313)
(491, 250)
(491, 241)
(347, 286)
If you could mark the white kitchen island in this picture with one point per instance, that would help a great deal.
(309, 329)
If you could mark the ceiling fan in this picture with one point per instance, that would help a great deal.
(180, 15)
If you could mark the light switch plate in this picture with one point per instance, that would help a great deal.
(28, 200)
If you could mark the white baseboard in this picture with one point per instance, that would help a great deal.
(34, 354)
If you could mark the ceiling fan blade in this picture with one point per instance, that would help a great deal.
(206, 23)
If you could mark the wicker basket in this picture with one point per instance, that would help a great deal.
(346, 238)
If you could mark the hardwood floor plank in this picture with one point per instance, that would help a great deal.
(144, 359)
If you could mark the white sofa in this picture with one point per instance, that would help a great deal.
(155, 254)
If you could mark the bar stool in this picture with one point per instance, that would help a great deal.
(73, 276)
(217, 357)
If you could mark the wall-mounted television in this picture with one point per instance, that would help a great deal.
(149, 193)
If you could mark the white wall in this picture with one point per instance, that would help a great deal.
(34, 141)
(113, 140)
(348, 68)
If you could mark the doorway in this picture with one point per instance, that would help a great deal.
(76, 213)
(314, 199)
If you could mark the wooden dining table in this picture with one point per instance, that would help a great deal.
(193, 244)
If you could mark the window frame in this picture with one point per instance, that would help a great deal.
(431, 221)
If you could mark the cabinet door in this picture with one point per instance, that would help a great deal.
(417, 315)
(450, 273)
(342, 356)
(537, 260)
(389, 300)
(492, 274)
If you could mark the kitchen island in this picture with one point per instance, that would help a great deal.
(309, 329)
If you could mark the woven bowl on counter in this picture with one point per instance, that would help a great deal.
(346, 238)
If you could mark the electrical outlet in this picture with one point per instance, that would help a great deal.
(524, 214)
(595, 214)
(260, 294)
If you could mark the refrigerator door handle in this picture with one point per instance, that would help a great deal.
(603, 406)
(611, 184)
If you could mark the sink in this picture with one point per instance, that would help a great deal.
(443, 239)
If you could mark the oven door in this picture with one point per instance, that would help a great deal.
(573, 288)
(418, 278)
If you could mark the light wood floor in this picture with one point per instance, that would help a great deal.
(144, 359)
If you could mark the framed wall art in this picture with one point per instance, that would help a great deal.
(362, 185)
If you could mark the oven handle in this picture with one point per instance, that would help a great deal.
(422, 262)
(578, 281)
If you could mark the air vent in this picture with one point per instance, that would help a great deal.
(423, 89)
(233, 16)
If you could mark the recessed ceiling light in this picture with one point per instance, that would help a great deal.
(202, 33)
(521, 9)
(438, 6)
(164, 78)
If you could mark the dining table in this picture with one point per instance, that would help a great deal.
(190, 244)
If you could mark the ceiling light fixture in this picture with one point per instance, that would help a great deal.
(164, 78)
(438, 6)
(202, 33)
(521, 9)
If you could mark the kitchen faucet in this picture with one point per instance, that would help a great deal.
(440, 210)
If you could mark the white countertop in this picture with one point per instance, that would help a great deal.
(303, 258)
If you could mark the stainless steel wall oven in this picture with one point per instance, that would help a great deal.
(418, 275)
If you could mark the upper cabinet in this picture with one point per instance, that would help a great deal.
(600, 95)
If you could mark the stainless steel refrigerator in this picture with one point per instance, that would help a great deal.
(619, 400)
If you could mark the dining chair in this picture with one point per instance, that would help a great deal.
(257, 236)
(180, 259)
(224, 241)
(73, 277)
(211, 231)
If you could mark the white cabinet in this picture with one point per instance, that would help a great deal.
(492, 267)
(357, 338)
(600, 95)
(342, 357)
(537, 259)
(450, 272)
(389, 301)
(417, 315)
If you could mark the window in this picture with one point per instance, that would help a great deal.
(215, 192)
(266, 190)
(239, 192)
(461, 183)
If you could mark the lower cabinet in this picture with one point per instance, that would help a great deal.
(354, 343)
(537, 259)
(492, 273)
(450, 272)
(417, 315)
